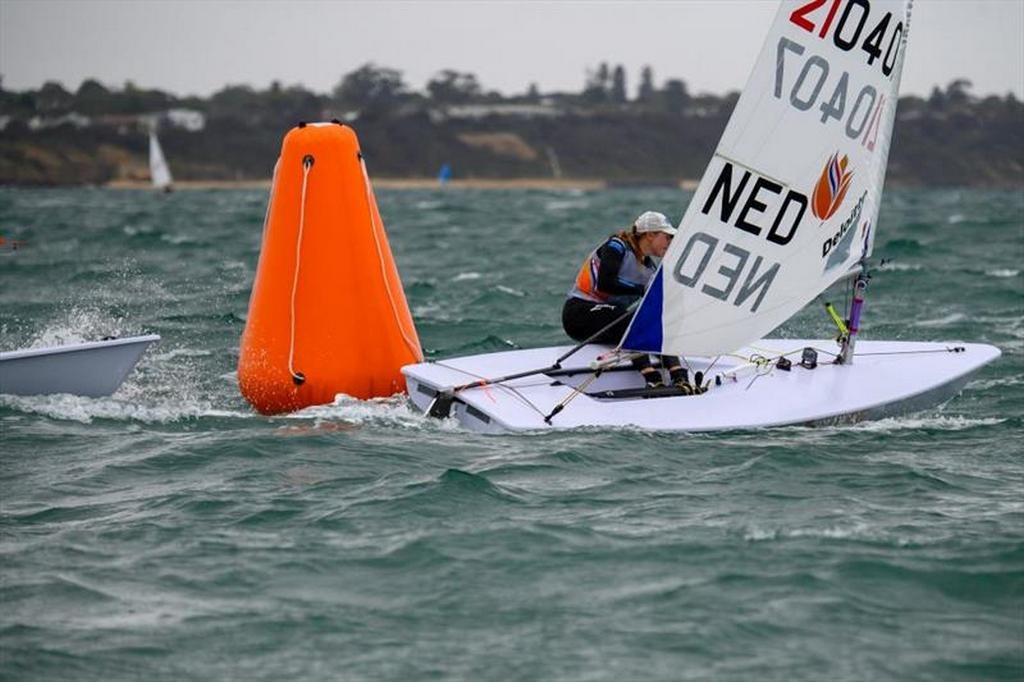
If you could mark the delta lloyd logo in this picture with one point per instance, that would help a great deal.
(831, 188)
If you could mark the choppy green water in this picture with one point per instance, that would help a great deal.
(170, 533)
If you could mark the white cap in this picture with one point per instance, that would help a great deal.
(652, 221)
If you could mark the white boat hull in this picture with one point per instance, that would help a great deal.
(92, 369)
(886, 378)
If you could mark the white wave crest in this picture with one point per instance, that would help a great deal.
(557, 205)
(85, 410)
(1002, 273)
(510, 291)
(902, 267)
(855, 531)
(1001, 382)
(180, 353)
(946, 321)
(132, 230)
(178, 239)
(756, 534)
(915, 422)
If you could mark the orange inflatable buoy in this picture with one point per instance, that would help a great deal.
(327, 313)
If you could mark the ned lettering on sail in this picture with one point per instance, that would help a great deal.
(755, 205)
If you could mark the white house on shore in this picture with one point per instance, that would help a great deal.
(191, 120)
(478, 111)
(73, 118)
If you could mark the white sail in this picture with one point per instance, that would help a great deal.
(159, 172)
(788, 204)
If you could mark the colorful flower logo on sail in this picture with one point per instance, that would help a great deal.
(831, 188)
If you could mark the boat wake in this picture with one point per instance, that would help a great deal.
(395, 411)
(79, 325)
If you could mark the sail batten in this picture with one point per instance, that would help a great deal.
(789, 201)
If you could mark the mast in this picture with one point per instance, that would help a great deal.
(860, 285)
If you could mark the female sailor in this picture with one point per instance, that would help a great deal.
(614, 276)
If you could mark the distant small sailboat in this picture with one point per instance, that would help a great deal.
(159, 172)
(444, 175)
(556, 168)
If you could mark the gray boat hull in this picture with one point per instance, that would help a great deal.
(92, 369)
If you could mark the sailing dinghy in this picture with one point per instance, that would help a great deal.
(159, 171)
(92, 369)
(787, 207)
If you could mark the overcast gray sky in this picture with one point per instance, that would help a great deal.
(199, 46)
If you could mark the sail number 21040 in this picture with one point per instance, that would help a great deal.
(851, 25)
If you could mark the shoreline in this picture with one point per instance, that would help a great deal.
(426, 183)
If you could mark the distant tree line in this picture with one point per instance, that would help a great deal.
(661, 133)
(368, 89)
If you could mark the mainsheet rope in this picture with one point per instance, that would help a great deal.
(511, 389)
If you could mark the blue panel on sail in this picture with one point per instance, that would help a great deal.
(645, 332)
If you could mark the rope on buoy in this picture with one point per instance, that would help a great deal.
(413, 346)
(298, 377)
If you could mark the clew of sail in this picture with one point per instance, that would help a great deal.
(789, 202)
(159, 172)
